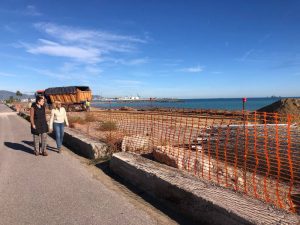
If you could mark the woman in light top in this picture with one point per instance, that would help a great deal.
(57, 121)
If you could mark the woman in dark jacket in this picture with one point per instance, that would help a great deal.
(39, 126)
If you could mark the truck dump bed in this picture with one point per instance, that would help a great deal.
(69, 95)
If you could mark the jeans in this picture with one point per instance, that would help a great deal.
(59, 133)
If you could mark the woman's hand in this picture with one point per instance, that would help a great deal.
(33, 126)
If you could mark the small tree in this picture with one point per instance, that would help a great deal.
(18, 93)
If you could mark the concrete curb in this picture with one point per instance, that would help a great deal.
(193, 197)
(84, 145)
(79, 143)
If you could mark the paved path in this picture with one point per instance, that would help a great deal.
(57, 189)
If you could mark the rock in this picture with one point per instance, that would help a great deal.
(126, 108)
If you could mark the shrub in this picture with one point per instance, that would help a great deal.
(108, 126)
(114, 141)
(90, 117)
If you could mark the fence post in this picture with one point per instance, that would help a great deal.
(267, 158)
(290, 164)
(255, 155)
(245, 151)
(278, 161)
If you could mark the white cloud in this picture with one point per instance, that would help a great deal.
(106, 41)
(247, 54)
(31, 10)
(48, 73)
(195, 69)
(84, 45)
(136, 61)
(131, 62)
(68, 71)
(87, 55)
(216, 72)
(3, 74)
(9, 28)
(83, 35)
(264, 38)
(93, 70)
(68, 67)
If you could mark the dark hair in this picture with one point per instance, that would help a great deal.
(38, 98)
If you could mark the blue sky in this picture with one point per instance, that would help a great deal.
(155, 48)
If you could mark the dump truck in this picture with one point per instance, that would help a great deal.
(73, 98)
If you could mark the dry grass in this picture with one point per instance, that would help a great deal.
(114, 141)
(108, 126)
(79, 119)
(76, 119)
(90, 118)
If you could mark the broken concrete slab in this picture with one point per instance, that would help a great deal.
(84, 145)
(201, 201)
(137, 143)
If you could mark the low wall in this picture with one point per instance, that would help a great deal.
(193, 197)
(84, 145)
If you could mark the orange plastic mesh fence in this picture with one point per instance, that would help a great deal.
(250, 152)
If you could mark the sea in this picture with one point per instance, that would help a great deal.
(213, 103)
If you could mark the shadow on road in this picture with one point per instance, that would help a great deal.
(18, 147)
(53, 149)
(162, 206)
(30, 143)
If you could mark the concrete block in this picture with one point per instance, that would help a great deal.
(84, 145)
(199, 200)
(137, 143)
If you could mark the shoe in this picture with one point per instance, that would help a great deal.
(45, 153)
(59, 150)
(36, 153)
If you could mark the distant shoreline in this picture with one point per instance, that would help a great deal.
(184, 99)
(140, 100)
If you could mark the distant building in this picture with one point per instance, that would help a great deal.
(28, 100)
(129, 98)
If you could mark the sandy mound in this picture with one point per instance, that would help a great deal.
(283, 106)
(126, 108)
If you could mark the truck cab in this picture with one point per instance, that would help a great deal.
(39, 93)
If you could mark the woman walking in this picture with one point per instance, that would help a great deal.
(57, 121)
(39, 126)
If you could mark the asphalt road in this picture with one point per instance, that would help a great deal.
(57, 189)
